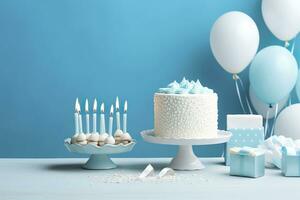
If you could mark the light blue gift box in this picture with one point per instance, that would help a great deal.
(245, 164)
(251, 137)
(290, 164)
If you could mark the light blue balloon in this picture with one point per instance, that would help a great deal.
(273, 74)
(298, 86)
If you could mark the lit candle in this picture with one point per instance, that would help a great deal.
(80, 123)
(110, 139)
(87, 116)
(118, 114)
(111, 120)
(102, 119)
(79, 118)
(95, 116)
(125, 118)
(77, 109)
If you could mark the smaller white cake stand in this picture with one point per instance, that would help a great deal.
(185, 158)
(98, 154)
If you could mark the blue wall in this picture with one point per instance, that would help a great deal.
(53, 51)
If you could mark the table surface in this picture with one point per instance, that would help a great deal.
(65, 179)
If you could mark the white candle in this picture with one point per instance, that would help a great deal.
(80, 123)
(87, 116)
(95, 116)
(76, 122)
(111, 120)
(79, 118)
(76, 116)
(125, 118)
(118, 114)
(102, 119)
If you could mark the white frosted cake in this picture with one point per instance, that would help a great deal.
(185, 110)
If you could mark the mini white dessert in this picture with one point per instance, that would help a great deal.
(74, 138)
(81, 139)
(87, 135)
(110, 140)
(94, 139)
(118, 134)
(126, 138)
(186, 110)
(102, 138)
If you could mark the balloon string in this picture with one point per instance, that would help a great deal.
(293, 46)
(239, 95)
(274, 121)
(245, 94)
(286, 44)
(290, 100)
(267, 122)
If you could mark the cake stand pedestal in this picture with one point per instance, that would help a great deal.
(185, 158)
(99, 154)
(99, 161)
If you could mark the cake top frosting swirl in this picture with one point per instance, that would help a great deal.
(185, 87)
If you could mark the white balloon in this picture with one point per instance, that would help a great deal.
(282, 17)
(234, 41)
(262, 108)
(288, 122)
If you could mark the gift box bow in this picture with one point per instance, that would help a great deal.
(246, 151)
(290, 151)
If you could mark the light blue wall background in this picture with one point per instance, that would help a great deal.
(52, 51)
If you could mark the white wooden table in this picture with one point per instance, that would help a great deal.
(64, 179)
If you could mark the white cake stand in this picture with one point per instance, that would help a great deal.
(99, 154)
(185, 158)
